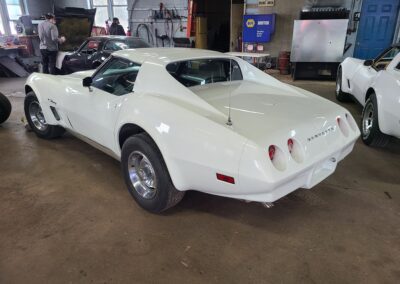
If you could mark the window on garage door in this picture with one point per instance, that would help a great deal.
(108, 9)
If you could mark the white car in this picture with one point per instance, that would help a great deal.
(375, 84)
(187, 119)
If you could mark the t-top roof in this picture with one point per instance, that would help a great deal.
(165, 55)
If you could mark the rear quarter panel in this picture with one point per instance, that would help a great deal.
(194, 143)
(350, 71)
(192, 136)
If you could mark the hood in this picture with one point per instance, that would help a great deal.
(261, 112)
(356, 60)
(75, 24)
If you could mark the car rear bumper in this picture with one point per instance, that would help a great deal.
(306, 178)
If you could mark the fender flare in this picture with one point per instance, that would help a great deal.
(177, 181)
(43, 103)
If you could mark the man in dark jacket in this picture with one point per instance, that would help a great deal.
(116, 28)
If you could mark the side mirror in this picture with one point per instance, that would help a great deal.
(76, 49)
(87, 82)
(368, 62)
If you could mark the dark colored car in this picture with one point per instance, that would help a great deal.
(96, 49)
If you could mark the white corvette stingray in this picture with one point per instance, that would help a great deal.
(187, 119)
(375, 84)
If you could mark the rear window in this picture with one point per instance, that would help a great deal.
(205, 71)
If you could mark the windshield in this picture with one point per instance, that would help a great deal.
(205, 71)
(132, 43)
(115, 45)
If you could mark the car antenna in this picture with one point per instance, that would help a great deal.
(229, 122)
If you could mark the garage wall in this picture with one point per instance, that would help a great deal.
(140, 11)
(38, 8)
(286, 13)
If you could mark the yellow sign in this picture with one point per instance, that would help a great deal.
(250, 23)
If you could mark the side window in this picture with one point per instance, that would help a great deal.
(113, 45)
(117, 76)
(398, 66)
(383, 61)
(90, 47)
(205, 71)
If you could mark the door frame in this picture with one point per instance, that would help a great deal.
(396, 35)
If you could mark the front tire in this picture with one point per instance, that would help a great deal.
(5, 108)
(37, 121)
(371, 134)
(340, 95)
(146, 175)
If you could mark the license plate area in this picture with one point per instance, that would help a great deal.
(322, 171)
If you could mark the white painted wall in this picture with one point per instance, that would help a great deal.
(142, 11)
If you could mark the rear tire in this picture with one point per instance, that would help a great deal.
(340, 95)
(5, 108)
(370, 132)
(146, 175)
(37, 121)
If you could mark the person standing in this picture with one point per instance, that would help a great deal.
(49, 40)
(116, 28)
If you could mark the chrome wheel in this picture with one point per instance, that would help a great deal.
(368, 119)
(142, 175)
(36, 116)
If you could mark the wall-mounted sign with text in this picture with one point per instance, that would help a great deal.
(266, 3)
(258, 28)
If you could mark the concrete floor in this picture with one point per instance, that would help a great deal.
(66, 216)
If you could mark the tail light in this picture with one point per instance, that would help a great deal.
(295, 150)
(277, 157)
(343, 126)
(290, 145)
(225, 178)
(271, 151)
